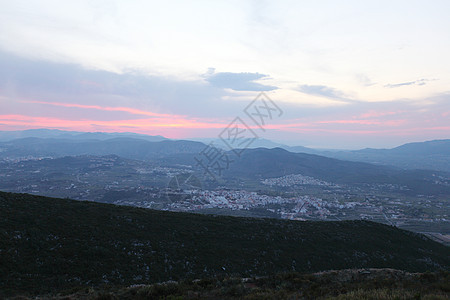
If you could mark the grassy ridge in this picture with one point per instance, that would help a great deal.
(343, 284)
(49, 244)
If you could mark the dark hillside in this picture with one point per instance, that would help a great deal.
(49, 244)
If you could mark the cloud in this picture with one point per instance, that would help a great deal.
(324, 91)
(238, 81)
(364, 80)
(24, 79)
(416, 82)
(320, 90)
(376, 114)
(40, 94)
(365, 122)
(137, 123)
(393, 122)
(66, 96)
(97, 107)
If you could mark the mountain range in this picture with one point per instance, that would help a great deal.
(253, 164)
(6, 136)
(123, 146)
(434, 155)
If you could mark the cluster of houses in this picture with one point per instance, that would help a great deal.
(295, 179)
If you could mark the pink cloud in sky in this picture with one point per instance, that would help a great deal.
(377, 114)
(365, 122)
(104, 108)
(151, 126)
(161, 122)
(333, 128)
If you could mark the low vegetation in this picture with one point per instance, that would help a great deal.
(343, 284)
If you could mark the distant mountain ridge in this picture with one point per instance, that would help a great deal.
(74, 135)
(261, 143)
(264, 163)
(254, 164)
(428, 147)
(123, 146)
(429, 155)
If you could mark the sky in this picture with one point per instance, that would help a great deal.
(342, 74)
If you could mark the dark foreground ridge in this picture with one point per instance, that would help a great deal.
(52, 245)
(350, 284)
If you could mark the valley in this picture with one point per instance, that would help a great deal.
(181, 187)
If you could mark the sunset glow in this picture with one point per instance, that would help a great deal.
(339, 85)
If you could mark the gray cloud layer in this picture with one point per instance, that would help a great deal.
(22, 79)
(324, 91)
(47, 81)
(239, 81)
(416, 82)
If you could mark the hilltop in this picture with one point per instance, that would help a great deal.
(50, 244)
(434, 155)
(336, 284)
